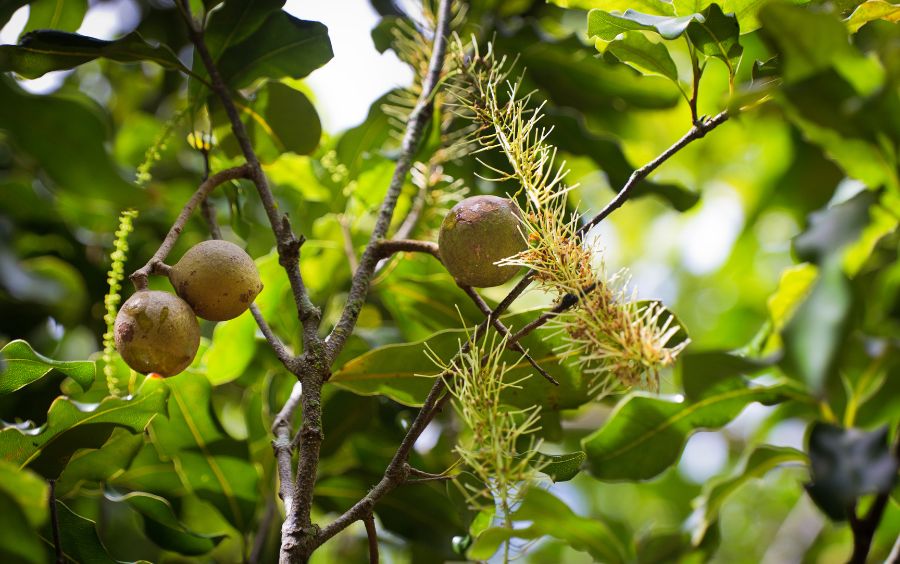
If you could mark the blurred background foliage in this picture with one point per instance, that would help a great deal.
(774, 238)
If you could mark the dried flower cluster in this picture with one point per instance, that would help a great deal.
(619, 341)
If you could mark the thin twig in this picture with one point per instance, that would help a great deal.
(369, 520)
(387, 247)
(155, 264)
(359, 286)
(504, 331)
(54, 524)
(287, 244)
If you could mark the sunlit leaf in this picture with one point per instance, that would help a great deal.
(63, 15)
(717, 35)
(24, 366)
(607, 26)
(635, 50)
(25, 489)
(872, 10)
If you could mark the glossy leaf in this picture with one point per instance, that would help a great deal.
(757, 464)
(607, 26)
(283, 46)
(644, 435)
(208, 461)
(847, 464)
(872, 10)
(163, 527)
(232, 349)
(638, 52)
(23, 366)
(550, 516)
(561, 467)
(233, 21)
(40, 52)
(72, 425)
(704, 373)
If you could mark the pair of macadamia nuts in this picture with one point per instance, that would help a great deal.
(157, 331)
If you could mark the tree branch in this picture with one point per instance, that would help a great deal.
(359, 287)
(397, 471)
(282, 429)
(372, 534)
(155, 264)
(387, 247)
(287, 243)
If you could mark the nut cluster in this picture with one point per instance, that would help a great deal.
(157, 331)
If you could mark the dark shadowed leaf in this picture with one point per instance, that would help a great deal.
(635, 50)
(23, 366)
(283, 46)
(25, 489)
(40, 52)
(78, 537)
(89, 466)
(234, 20)
(18, 540)
(560, 467)
(717, 35)
(703, 373)
(847, 464)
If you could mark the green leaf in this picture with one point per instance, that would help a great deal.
(232, 349)
(870, 11)
(746, 11)
(78, 537)
(72, 425)
(717, 35)
(608, 26)
(208, 461)
(793, 287)
(24, 366)
(163, 527)
(8, 8)
(708, 372)
(643, 55)
(40, 52)
(279, 120)
(283, 46)
(644, 435)
(654, 7)
(550, 516)
(63, 15)
(560, 467)
(757, 464)
(816, 334)
(405, 373)
(27, 490)
(101, 464)
(688, 7)
(234, 21)
(847, 464)
(18, 540)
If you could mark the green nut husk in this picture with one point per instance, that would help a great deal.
(157, 332)
(475, 234)
(217, 278)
